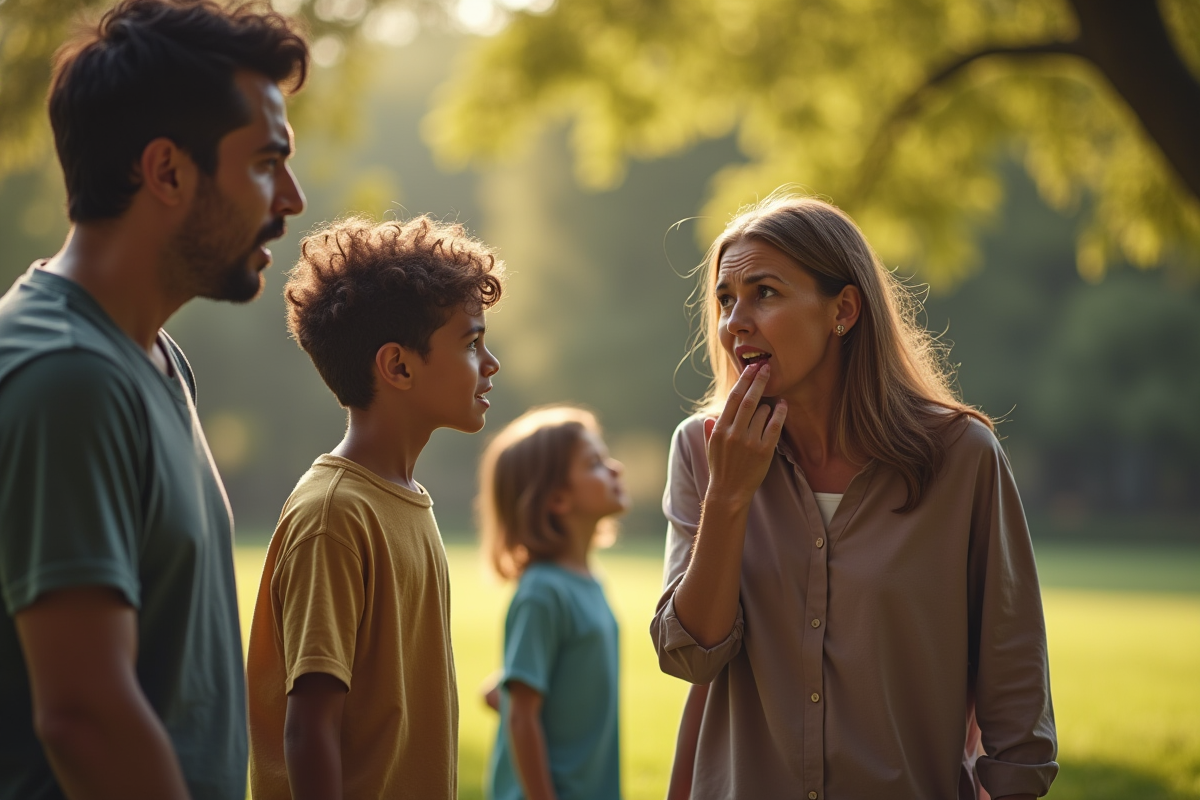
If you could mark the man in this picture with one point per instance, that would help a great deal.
(120, 651)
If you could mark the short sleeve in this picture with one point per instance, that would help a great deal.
(318, 589)
(532, 634)
(72, 446)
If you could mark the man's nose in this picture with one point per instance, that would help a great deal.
(289, 197)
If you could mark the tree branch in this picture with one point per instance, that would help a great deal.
(1130, 44)
(888, 132)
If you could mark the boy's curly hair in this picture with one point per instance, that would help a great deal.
(359, 285)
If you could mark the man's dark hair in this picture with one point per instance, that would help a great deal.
(360, 285)
(158, 68)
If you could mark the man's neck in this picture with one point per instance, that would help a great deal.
(123, 274)
(378, 439)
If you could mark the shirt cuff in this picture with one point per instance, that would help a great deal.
(1002, 778)
(682, 656)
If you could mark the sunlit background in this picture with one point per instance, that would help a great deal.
(600, 144)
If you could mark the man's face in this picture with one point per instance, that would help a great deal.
(236, 212)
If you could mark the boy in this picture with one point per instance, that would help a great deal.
(350, 669)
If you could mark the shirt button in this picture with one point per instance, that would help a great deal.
(812, 796)
(815, 697)
(816, 623)
(820, 543)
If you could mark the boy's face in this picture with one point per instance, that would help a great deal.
(456, 374)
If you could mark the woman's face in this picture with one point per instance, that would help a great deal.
(771, 310)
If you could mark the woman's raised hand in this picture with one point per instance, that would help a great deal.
(742, 439)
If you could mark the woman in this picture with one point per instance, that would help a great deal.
(848, 563)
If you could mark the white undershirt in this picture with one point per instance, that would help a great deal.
(827, 503)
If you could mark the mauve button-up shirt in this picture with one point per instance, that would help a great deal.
(860, 653)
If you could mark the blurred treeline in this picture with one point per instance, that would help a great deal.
(1098, 383)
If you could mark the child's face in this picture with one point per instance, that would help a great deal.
(594, 480)
(456, 374)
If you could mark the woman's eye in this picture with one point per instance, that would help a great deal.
(724, 300)
(766, 291)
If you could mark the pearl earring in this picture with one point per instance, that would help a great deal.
(841, 330)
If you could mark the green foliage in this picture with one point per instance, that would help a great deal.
(811, 90)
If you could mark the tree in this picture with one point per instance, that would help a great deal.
(899, 110)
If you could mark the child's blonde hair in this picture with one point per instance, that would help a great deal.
(521, 469)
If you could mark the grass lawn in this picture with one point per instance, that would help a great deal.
(1124, 627)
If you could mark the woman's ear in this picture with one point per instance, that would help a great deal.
(394, 366)
(848, 305)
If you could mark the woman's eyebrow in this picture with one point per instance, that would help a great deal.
(756, 277)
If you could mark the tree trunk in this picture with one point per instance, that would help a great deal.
(1128, 41)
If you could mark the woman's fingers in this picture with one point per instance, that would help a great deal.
(737, 394)
(748, 403)
(775, 424)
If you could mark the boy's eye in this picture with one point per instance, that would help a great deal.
(474, 345)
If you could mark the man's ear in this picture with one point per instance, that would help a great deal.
(168, 172)
(394, 365)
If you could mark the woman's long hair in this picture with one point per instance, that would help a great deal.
(896, 395)
(521, 469)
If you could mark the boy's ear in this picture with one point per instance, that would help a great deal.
(393, 365)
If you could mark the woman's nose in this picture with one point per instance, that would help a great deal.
(739, 320)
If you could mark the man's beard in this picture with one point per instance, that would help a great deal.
(210, 255)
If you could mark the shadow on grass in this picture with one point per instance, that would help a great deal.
(1102, 780)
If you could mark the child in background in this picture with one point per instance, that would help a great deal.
(547, 486)
(352, 690)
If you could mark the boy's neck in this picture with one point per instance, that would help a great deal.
(379, 440)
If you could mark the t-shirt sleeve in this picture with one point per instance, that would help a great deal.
(532, 635)
(318, 586)
(72, 445)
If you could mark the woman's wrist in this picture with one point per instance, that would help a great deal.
(726, 502)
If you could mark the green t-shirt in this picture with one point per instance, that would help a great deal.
(108, 482)
(560, 639)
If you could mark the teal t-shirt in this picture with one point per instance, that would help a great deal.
(108, 482)
(560, 638)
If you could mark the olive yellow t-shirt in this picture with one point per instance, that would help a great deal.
(356, 585)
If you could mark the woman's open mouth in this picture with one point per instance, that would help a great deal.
(749, 356)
